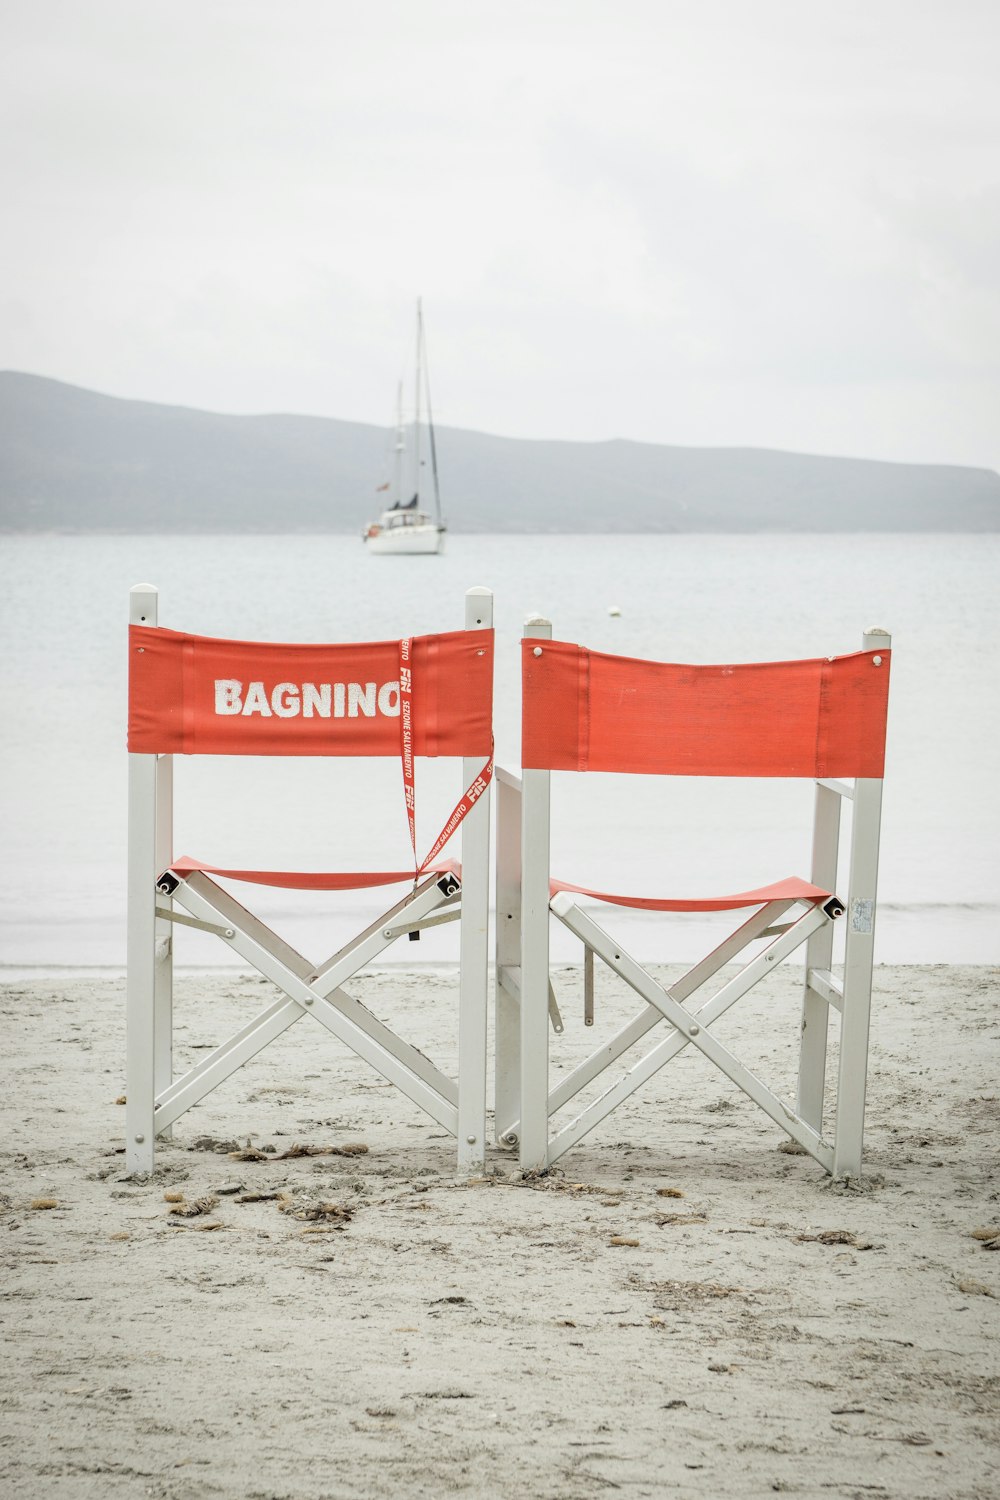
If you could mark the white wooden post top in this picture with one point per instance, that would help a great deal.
(142, 604)
(478, 608)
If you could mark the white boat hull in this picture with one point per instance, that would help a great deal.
(405, 541)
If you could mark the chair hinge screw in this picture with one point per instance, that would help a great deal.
(308, 1000)
(139, 1139)
(694, 1030)
(471, 1139)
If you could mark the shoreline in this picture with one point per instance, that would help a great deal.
(11, 973)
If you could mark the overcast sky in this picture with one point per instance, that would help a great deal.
(705, 222)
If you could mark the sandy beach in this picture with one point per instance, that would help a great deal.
(682, 1307)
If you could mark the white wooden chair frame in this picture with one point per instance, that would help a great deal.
(525, 1003)
(155, 1099)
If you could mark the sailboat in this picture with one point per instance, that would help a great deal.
(405, 528)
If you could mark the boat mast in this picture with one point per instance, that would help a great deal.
(434, 458)
(417, 385)
(399, 448)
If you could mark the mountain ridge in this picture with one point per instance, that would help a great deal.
(77, 460)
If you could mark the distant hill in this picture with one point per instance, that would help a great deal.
(73, 460)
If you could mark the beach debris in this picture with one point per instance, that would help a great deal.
(990, 1236)
(229, 1189)
(264, 1196)
(623, 1239)
(551, 1181)
(671, 1405)
(836, 1237)
(45, 1203)
(349, 1148)
(669, 1192)
(300, 1206)
(248, 1153)
(792, 1148)
(195, 1208)
(210, 1143)
(871, 1182)
(974, 1288)
(614, 611)
(121, 1099)
(662, 1220)
(174, 1195)
(672, 1294)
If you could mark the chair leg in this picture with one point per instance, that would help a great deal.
(812, 1055)
(852, 1077)
(533, 1145)
(473, 988)
(859, 953)
(819, 955)
(140, 1061)
(507, 1010)
(163, 985)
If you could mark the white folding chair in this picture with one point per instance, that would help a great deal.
(823, 719)
(193, 695)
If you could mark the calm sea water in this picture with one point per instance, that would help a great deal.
(63, 608)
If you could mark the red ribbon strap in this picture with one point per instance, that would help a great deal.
(468, 799)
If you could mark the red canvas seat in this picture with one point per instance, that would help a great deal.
(583, 711)
(196, 695)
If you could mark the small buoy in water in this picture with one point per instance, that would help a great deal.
(614, 610)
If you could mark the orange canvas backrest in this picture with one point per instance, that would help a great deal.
(586, 711)
(196, 695)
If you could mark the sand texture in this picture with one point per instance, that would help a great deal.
(682, 1307)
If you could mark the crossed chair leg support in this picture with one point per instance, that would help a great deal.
(686, 1027)
(307, 989)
